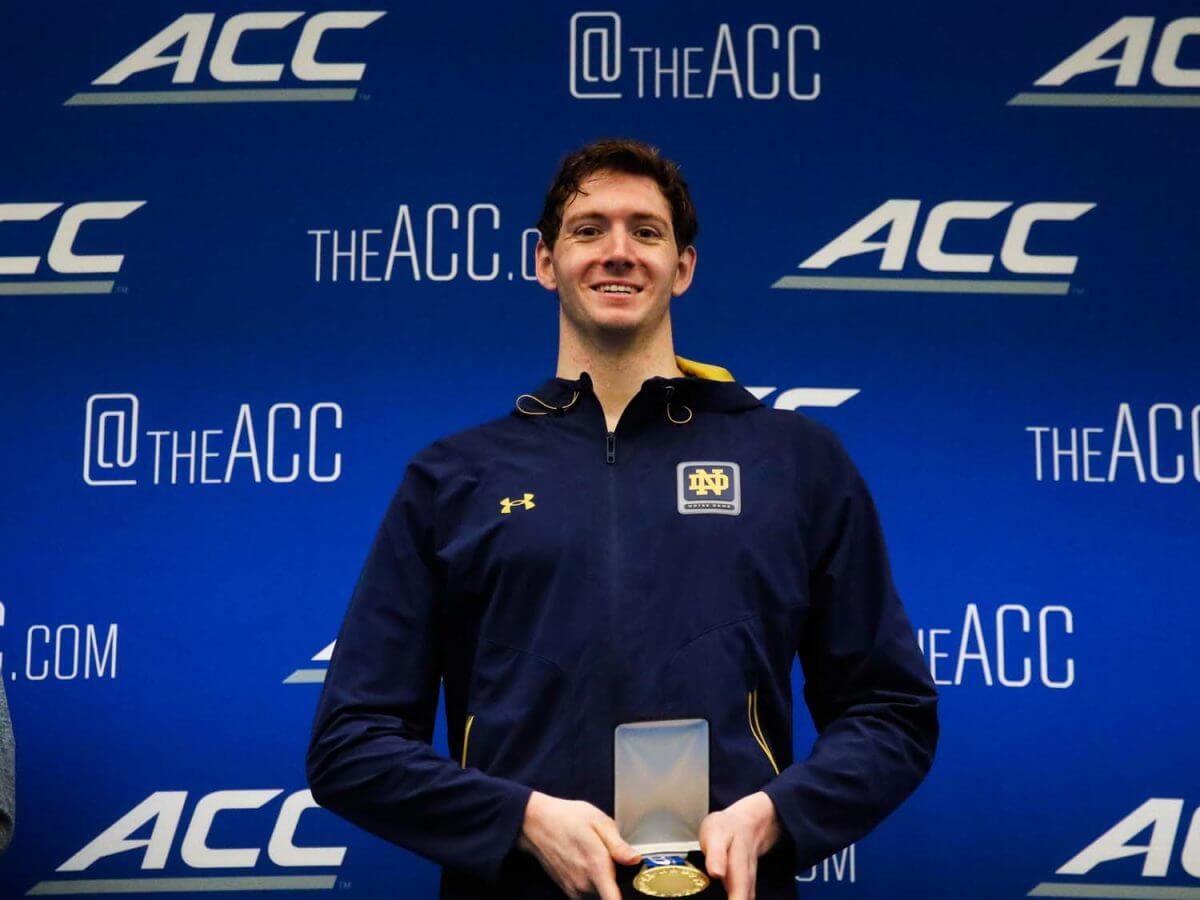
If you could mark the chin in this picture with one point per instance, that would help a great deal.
(614, 321)
(618, 324)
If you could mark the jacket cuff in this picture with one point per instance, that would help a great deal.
(508, 828)
(793, 824)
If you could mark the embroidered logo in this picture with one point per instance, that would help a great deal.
(709, 487)
(506, 505)
(702, 483)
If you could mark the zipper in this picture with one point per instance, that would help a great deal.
(466, 739)
(610, 447)
(756, 728)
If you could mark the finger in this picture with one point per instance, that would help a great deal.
(705, 837)
(606, 888)
(572, 885)
(618, 848)
(717, 854)
(604, 878)
(737, 863)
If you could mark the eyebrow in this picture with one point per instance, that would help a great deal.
(583, 216)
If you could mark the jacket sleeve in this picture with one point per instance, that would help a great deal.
(370, 759)
(866, 684)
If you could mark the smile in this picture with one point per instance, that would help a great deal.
(613, 288)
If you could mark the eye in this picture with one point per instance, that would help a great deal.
(647, 232)
(587, 231)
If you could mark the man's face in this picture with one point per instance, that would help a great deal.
(615, 265)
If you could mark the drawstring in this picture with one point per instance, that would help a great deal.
(548, 408)
(670, 392)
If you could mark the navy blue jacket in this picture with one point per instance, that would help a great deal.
(560, 580)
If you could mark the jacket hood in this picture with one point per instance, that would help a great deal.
(704, 386)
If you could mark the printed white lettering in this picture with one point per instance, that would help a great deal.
(222, 66)
(282, 850)
(164, 808)
(193, 30)
(900, 218)
(1008, 632)
(1160, 815)
(1171, 433)
(1132, 31)
(195, 850)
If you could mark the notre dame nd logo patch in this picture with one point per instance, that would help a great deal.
(709, 487)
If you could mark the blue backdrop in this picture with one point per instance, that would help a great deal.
(251, 259)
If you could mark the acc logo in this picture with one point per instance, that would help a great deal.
(797, 397)
(899, 217)
(1132, 34)
(163, 812)
(1163, 817)
(709, 487)
(311, 675)
(192, 30)
(61, 256)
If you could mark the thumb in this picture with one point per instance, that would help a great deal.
(618, 848)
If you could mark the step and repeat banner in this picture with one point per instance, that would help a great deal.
(253, 256)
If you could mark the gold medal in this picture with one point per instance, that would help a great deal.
(669, 875)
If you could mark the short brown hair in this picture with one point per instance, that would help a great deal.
(620, 155)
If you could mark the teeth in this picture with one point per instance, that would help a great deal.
(615, 289)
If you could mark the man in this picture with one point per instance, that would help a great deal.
(639, 539)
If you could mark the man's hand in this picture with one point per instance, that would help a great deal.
(733, 839)
(576, 844)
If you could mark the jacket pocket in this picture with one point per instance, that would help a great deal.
(519, 725)
(467, 738)
(756, 728)
(717, 675)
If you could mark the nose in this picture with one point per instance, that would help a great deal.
(618, 250)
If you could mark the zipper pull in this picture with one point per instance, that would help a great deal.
(610, 447)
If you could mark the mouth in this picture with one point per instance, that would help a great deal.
(615, 288)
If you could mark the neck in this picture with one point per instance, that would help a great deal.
(617, 366)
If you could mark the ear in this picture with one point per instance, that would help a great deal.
(684, 271)
(545, 266)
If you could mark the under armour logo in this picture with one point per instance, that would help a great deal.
(506, 505)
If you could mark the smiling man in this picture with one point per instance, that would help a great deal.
(616, 253)
(638, 540)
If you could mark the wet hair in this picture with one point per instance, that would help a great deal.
(619, 155)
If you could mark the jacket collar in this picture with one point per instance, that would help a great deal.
(704, 386)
